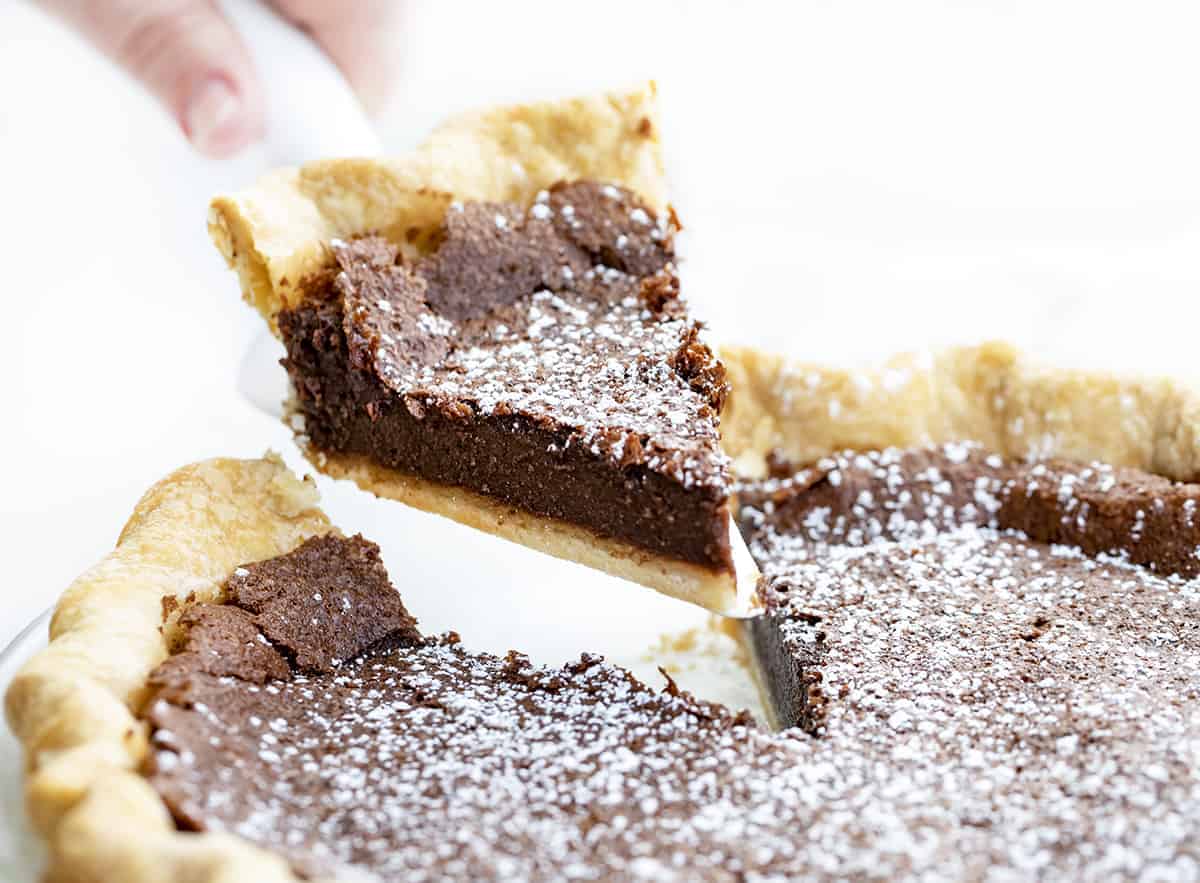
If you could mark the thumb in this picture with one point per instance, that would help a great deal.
(187, 55)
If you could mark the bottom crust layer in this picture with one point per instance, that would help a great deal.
(714, 590)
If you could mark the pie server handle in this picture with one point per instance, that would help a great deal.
(312, 113)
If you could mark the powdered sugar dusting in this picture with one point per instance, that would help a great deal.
(433, 763)
(586, 350)
(987, 705)
(990, 707)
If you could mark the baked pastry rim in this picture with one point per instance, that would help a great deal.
(72, 706)
(1011, 403)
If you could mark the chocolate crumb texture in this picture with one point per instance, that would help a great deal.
(999, 660)
(972, 703)
(541, 355)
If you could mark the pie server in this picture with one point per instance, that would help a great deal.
(311, 114)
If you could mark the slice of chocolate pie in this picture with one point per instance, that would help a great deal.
(491, 329)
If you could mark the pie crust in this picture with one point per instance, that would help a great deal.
(73, 705)
(277, 235)
(992, 394)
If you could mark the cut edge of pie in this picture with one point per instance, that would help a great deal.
(277, 236)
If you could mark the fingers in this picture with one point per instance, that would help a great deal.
(186, 54)
(362, 38)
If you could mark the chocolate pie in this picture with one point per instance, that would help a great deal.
(981, 576)
(492, 329)
(988, 659)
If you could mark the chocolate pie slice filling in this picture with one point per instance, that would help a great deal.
(511, 351)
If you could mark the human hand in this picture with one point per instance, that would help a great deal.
(188, 55)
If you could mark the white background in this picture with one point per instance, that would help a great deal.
(856, 178)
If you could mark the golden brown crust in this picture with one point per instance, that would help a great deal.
(989, 393)
(276, 233)
(73, 705)
(717, 591)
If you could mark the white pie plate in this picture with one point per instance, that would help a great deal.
(498, 596)
(21, 853)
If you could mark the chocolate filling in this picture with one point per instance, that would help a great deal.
(1038, 520)
(309, 716)
(541, 357)
(986, 705)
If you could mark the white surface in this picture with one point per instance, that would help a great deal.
(869, 175)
